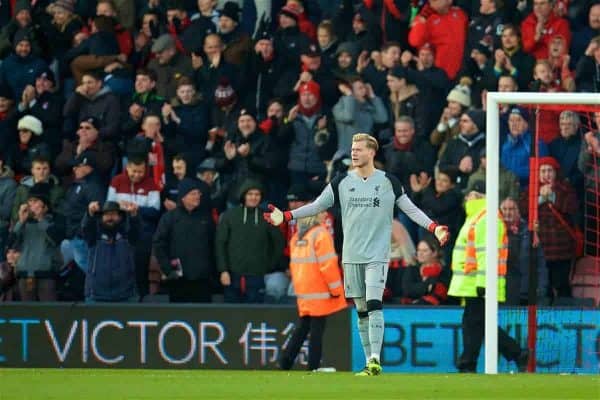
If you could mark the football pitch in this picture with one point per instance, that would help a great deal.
(90, 384)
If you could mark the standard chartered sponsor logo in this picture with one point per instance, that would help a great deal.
(360, 202)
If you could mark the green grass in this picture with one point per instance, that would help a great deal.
(84, 384)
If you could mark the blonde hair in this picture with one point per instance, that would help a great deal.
(304, 224)
(368, 139)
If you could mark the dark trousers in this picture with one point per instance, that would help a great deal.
(473, 329)
(189, 291)
(316, 327)
(142, 252)
(37, 289)
(559, 272)
(245, 289)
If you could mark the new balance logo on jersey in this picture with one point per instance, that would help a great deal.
(376, 202)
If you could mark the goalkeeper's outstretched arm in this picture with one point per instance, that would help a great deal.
(322, 203)
(421, 219)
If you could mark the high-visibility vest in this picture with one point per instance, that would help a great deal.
(315, 273)
(469, 258)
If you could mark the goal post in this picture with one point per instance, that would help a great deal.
(494, 99)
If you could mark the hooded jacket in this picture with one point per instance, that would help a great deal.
(245, 242)
(22, 192)
(462, 146)
(104, 106)
(40, 244)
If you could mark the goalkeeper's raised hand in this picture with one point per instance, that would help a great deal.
(276, 216)
(440, 232)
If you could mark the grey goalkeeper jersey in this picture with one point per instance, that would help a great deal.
(367, 209)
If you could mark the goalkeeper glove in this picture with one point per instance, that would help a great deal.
(276, 216)
(440, 232)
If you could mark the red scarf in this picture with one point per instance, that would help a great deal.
(432, 270)
(309, 112)
(402, 147)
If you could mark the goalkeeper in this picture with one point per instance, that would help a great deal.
(366, 197)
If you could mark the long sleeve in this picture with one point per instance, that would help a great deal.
(413, 212)
(221, 242)
(380, 114)
(6, 202)
(89, 228)
(418, 34)
(322, 203)
(161, 240)
(112, 122)
(344, 110)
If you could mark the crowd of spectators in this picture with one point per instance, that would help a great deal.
(140, 140)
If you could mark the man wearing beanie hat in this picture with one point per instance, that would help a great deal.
(21, 19)
(248, 153)
(238, 44)
(41, 101)
(459, 101)
(463, 151)
(516, 149)
(39, 233)
(186, 262)
(311, 135)
(314, 70)
(111, 233)
(22, 66)
(178, 22)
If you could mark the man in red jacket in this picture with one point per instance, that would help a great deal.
(445, 27)
(541, 26)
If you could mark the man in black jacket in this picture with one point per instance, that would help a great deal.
(85, 189)
(41, 101)
(184, 246)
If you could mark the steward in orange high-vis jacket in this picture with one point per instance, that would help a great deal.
(318, 286)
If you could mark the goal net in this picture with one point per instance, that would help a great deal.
(553, 300)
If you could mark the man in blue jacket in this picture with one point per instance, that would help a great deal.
(111, 234)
